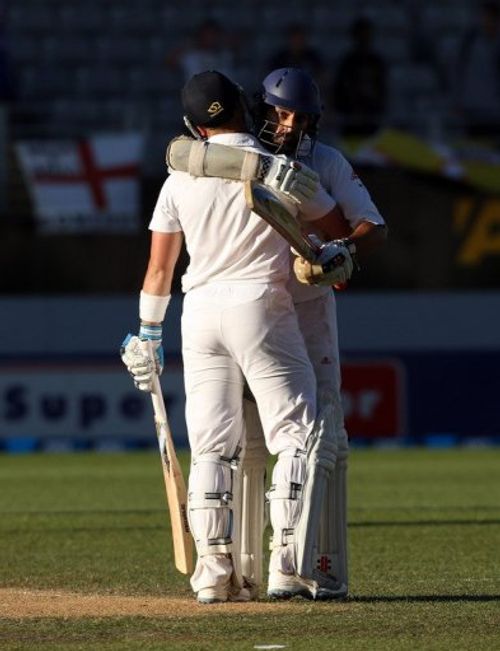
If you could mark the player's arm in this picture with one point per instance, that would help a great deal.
(163, 256)
(341, 247)
(201, 158)
(366, 236)
(353, 228)
(143, 354)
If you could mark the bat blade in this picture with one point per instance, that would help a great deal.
(268, 205)
(265, 203)
(175, 485)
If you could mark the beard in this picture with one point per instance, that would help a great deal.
(287, 142)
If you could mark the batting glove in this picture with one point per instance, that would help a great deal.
(297, 181)
(143, 356)
(334, 264)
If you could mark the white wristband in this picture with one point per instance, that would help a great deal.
(152, 308)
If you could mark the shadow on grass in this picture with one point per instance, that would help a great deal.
(159, 527)
(423, 523)
(446, 598)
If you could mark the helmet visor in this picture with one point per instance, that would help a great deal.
(286, 132)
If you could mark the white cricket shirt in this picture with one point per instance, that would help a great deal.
(225, 240)
(341, 182)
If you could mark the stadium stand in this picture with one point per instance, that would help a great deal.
(85, 67)
(82, 54)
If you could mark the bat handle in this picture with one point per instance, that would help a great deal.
(339, 287)
(157, 399)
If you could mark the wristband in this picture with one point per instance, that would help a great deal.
(351, 247)
(152, 332)
(152, 308)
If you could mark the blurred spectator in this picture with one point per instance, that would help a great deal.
(359, 91)
(211, 49)
(6, 77)
(477, 75)
(423, 44)
(298, 53)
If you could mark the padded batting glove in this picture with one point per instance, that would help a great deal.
(143, 355)
(334, 264)
(297, 181)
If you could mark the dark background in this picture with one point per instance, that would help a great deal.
(72, 68)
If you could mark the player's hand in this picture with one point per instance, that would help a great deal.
(334, 265)
(297, 181)
(143, 358)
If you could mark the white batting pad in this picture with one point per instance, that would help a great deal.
(321, 534)
(285, 503)
(210, 500)
(321, 458)
(253, 497)
(340, 506)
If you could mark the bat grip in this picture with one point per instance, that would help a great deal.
(157, 398)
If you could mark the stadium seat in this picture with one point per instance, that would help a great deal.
(99, 50)
(74, 20)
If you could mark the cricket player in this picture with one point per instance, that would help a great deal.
(238, 325)
(287, 113)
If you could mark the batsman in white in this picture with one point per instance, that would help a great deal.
(287, 112)
(287, 115)
(238, 324)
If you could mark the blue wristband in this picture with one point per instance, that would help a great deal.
(153, 332)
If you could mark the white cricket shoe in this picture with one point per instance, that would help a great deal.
(221, 594)
(217, 595)
(240, 596)
(285, 586)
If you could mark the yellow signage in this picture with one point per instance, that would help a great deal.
(479, 222)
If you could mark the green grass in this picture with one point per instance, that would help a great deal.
(424, 544)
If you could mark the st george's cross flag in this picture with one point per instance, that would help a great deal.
(84, 186)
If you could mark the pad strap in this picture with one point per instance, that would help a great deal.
(193, 156)
(291, 492)
(248, 167)
(201, 501)
(219, 546)
(282, 539)
(196, 158)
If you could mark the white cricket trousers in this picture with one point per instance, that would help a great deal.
(232, 332)
(318, 325)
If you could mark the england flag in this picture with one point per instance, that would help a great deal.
(86, 185)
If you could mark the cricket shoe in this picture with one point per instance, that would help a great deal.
(331, 592)
(252, 588)
(222, 594)
(327, 587)
(285, 586)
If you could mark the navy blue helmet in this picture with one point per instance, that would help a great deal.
(292, 89)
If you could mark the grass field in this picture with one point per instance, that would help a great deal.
(86, 565)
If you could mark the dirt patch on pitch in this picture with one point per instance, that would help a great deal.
(19, 604)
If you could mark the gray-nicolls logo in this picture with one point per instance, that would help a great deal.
(215, 108)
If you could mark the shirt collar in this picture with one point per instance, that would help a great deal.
(234, 139)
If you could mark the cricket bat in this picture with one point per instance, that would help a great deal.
(267, 204)
(263, 201)
(175, 485)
